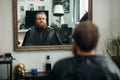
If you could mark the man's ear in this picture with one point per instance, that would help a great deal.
(76, 46)
(74, 43)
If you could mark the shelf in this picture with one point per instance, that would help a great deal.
(29, 76)
(7, 60)
(23, 30)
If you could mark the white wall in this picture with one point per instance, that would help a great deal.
(102, 17)
(105, 15)
(115, 22)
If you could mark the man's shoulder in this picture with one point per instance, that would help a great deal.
(106, 63)
(49, 29)
(31, 30)
(64, 61)
(103, 59)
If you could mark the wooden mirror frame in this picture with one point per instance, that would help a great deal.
(35, 48)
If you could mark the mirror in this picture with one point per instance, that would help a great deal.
(74, 12)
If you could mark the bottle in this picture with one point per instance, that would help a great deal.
(48, 64)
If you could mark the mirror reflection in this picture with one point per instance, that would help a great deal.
(40, 34)
(43, 23)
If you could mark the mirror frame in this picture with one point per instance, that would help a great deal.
(35, 48)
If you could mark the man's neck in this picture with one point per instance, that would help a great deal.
(83, 53)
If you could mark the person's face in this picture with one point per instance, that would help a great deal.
(41, 20)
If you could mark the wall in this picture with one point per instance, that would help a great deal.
(102, 17)
(115, 22)
(105, 15)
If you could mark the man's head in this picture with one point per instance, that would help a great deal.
(85, 36)
(40, 20)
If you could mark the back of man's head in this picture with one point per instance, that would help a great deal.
(86, 35)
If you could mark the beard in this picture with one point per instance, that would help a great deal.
(41, 25)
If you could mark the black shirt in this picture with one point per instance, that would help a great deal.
(84, 68)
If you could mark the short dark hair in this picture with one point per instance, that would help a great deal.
(86, 35)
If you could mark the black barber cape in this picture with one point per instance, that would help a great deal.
(38, 36)
(85, 68)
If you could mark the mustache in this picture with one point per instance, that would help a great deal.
(41, 22)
